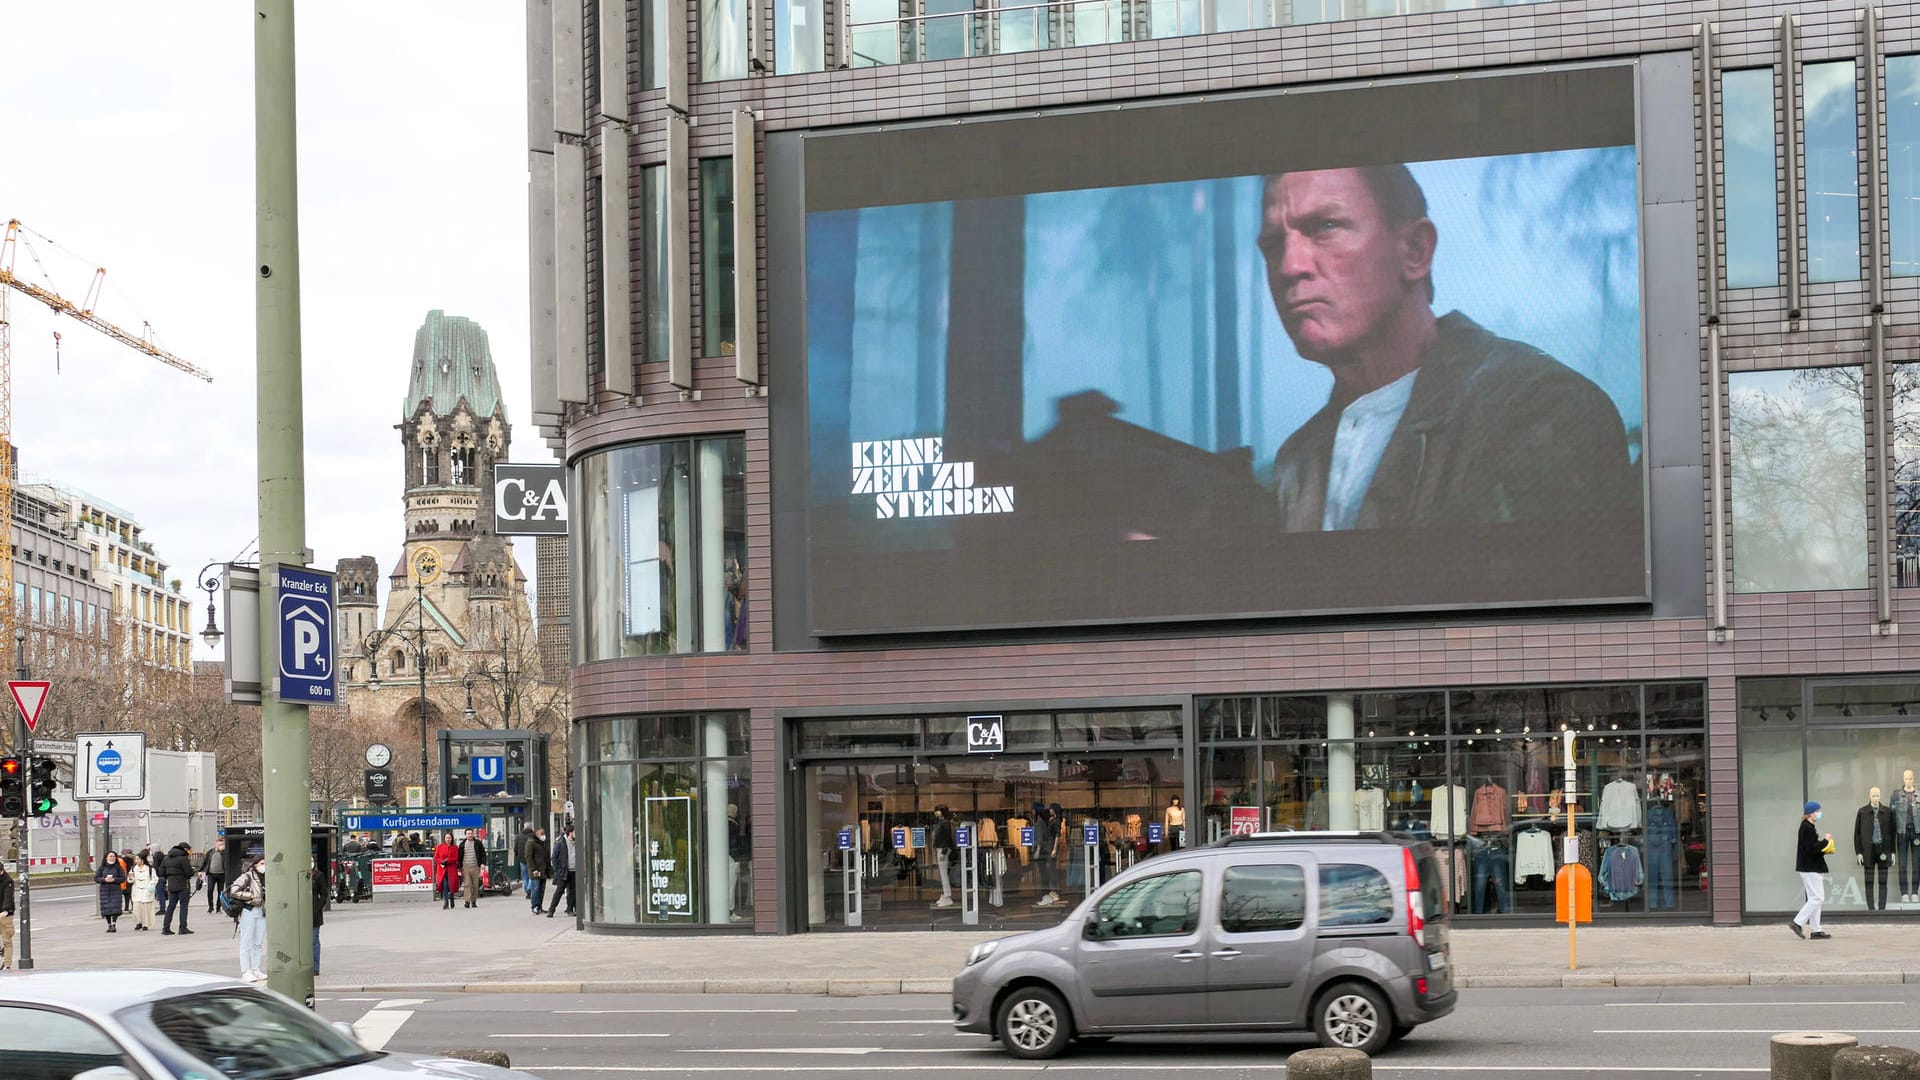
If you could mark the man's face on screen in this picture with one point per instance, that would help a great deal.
(1335, 266)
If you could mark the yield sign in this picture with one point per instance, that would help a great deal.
(29, 697)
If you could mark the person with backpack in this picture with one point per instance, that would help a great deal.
(247, 900)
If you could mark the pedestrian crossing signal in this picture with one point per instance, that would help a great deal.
(42, 786)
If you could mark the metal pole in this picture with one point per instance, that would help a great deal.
(283, 499)
(25, 959)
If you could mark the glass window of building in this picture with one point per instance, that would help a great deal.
(1830, 143)
(1750, 173)
(1021, 26)
(1048, 815)
(653, 44)
(1799, 473)
(947, 32)
(1478, 772)
(663, 554)
(716, 256)
(671, 821)
(1905, 437)
(1903, 164)
(653, 264)
(1098, 22)
(723, 40)
(876, 32)
(799, 36)
(1849, 745)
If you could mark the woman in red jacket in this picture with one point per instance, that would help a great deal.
(446, 863)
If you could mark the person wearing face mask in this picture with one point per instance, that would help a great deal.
(1810, 862)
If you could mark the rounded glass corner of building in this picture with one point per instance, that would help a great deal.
(667, 835)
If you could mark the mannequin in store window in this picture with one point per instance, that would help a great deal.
(1175, 820)
(1906, 837)
(940, 839)
(1873, 840)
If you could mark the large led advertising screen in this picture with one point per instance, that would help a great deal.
(1350, 370)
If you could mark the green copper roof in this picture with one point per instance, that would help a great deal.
(451, 361)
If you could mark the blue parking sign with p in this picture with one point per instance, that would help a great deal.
(305, 629)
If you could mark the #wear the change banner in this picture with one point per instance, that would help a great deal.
(1384, 385)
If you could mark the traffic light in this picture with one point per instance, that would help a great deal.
(41, 797)
(13, 799)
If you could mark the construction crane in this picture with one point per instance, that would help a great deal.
(19, 236)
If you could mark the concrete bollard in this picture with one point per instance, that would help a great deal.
(1876, 1063)
(1326, 1064)
(1807, 1055)
(484, 1057)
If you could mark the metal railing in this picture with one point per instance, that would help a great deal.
(990, 29)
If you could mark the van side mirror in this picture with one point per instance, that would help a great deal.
(1093, 929)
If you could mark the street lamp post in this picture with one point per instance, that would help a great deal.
(416, 638)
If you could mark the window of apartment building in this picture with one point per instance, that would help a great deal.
(1905, 437)
(1830, 142)
(799, 36)
(1903, 164)
(1750, 173)
(875, 32)
(723, 39)
(653, 44)
(39, 604)
(947, 33)
(1799, 473)
(662, 559)
(716, 256)
(653, 263)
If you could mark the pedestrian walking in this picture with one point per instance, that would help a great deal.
(176, 872)
(562, 869)
(213, 869)
(250, 891)
(142, 880)
(111, 877)
(473, 858)
(523, 854)
(539, 867)
(446, 870)
(154, 859)
(1810, 861)
(319, 906)
(6, 919)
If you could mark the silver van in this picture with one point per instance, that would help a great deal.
(1343, 934)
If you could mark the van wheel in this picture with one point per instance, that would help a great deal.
(1034, 1023)
(1353, 1016)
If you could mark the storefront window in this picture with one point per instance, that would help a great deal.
(669, 821)
(1848, 745)
(662, 556)
(1479, 772)
(896, 790)
(1799, 469)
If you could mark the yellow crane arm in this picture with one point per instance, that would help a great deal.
(132, 341)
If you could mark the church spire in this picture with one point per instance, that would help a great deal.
(451, 362)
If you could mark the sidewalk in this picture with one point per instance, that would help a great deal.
(415, 947)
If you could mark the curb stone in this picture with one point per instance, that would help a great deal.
(766, 986)
(862, 987)
(943, 986)
(1508, 981)
(1583, 979)
(1683, 978)
(1824, 978)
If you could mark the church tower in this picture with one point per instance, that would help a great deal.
(453, 428)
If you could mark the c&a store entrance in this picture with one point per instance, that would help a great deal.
(883, 804)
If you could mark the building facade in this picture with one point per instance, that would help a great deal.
(454, 647)
(54, 583)
(1109, 426)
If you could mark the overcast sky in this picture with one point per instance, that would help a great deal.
(128, 139)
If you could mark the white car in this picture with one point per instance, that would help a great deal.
(181, 1025)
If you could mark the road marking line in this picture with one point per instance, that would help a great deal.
(663, 1012)
(845, 1051)
(1158, 1068)
(941, 1023)
(400, 1003)
(1742, 1031)
(378, 1026)
(657, 1011)
(574, 1035)
(1737, 1004)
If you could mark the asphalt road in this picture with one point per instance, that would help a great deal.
(1601, 1034)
